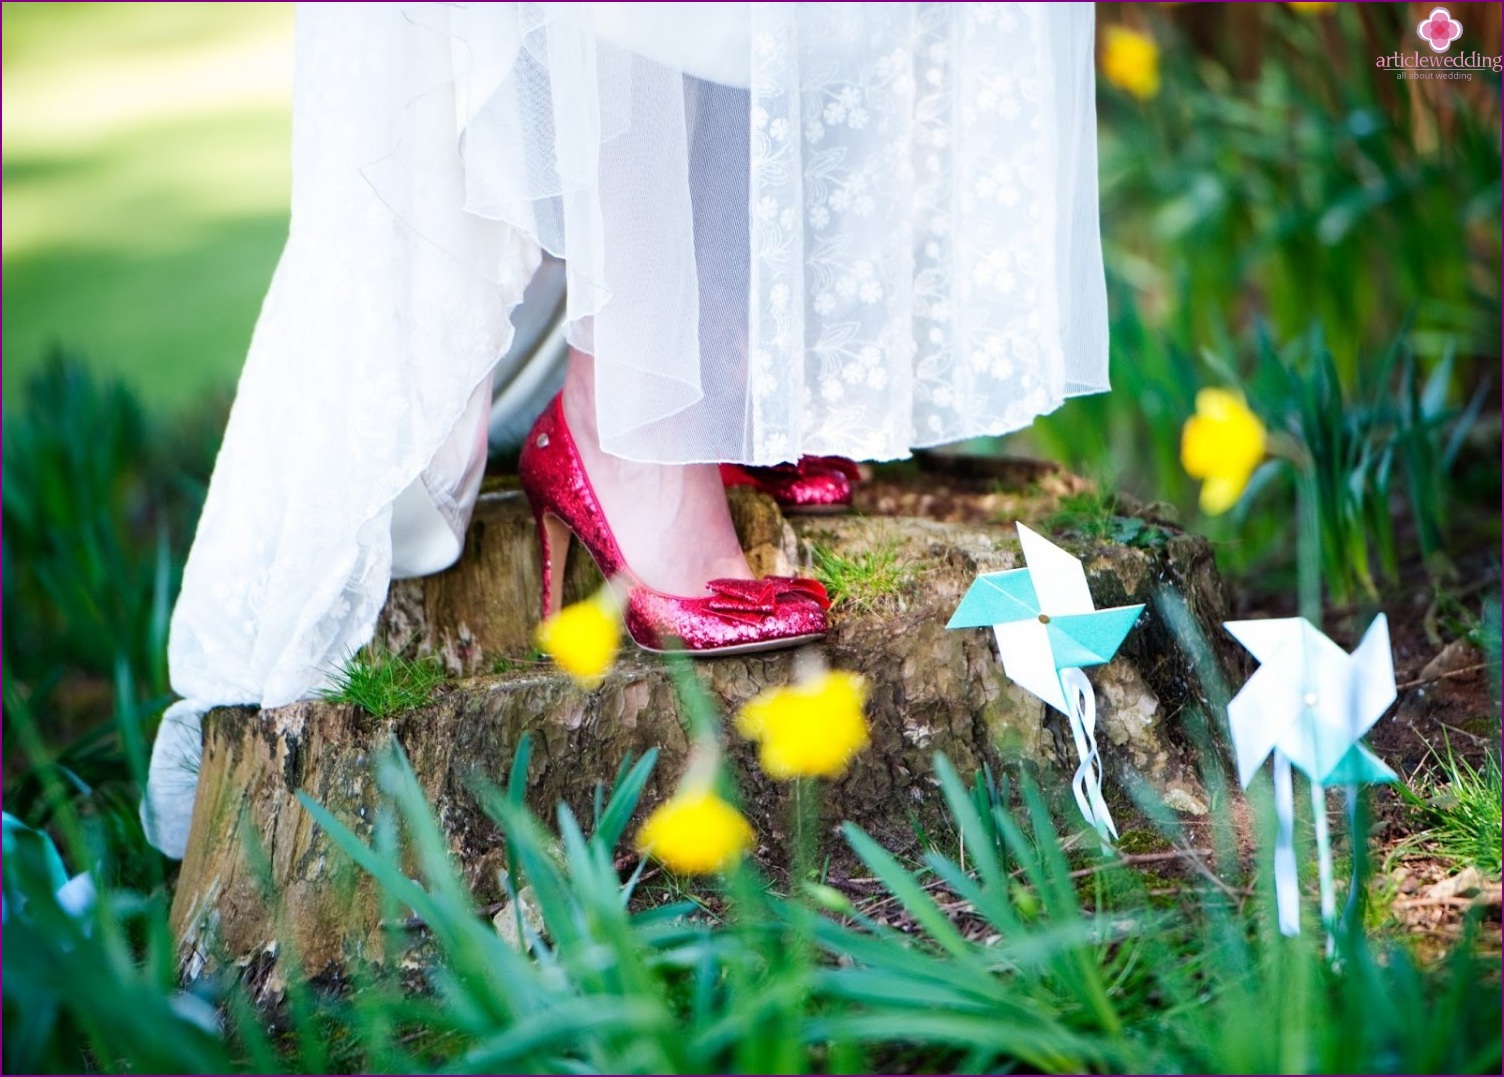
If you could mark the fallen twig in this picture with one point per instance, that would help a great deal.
(1464, 732)
(1138, 858)
(1442, 676)
(1452, 902)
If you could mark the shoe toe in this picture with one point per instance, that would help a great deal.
(660, 622)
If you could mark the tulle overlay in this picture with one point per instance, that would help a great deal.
(789, 229)
(796, 228)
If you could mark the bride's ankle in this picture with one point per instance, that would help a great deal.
(671, 521)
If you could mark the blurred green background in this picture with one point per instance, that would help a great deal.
(146, 185)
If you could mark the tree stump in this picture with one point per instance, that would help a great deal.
(258, 870)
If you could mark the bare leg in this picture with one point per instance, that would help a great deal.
(670, 520)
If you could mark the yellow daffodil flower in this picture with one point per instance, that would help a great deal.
(695, 832)
(1312, 9)
(582, 638)
(1221, 445)
(811, 729)
(1130, 61)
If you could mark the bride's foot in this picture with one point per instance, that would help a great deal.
(670, 520)
(679, 530)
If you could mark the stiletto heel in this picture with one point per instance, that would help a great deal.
(734, 616)
(553, 542)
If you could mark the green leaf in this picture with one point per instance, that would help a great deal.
(624, 797)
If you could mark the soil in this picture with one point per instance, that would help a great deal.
(958, 489)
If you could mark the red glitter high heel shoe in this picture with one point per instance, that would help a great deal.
(733, 617)
(815, 486)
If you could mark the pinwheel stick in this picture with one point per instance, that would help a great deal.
(1286, 884)
(1286, 881)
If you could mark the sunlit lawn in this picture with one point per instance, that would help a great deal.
(146, 179)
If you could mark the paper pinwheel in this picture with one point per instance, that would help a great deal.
(1047, 630)
(1311, 700)
(1307, 705)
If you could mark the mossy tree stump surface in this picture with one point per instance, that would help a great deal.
(258, 870)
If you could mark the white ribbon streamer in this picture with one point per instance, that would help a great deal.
(1087, 782)
(1286, 884)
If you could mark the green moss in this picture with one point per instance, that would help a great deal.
(507, 665)
(502, 665)
(1142, 840)
(1122, 888)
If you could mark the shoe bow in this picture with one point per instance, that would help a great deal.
(752, 600)
(808, 464)
(811, 466)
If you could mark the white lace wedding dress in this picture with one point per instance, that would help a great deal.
(845, 229)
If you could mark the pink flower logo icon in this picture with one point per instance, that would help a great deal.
(1440, 29)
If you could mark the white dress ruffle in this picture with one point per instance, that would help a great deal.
(788, 229)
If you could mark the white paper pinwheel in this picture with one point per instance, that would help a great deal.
(1311, 700)
(1307, 705)
(1047, 630)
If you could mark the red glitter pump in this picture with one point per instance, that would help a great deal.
(814, 486)
(733, 617)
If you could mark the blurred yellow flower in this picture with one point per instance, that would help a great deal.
(811, 729)
(695, 832)
(1312, 9)
(582, 638)
(1130, 60)
(1221, 445)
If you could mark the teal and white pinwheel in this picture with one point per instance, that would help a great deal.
(1311, 700)
(1307, 705)
(1047, 629)
(1044, 618)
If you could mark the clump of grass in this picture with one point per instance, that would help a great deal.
(863, 581)
(385, 684)
(1466, 814)
(1094, 517)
